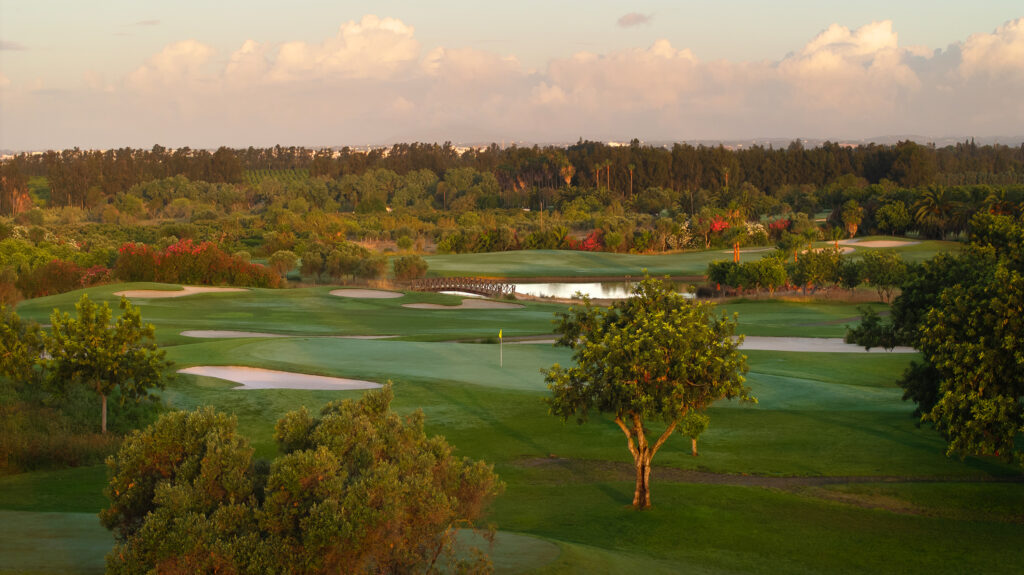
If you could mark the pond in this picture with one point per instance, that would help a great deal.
(596, 290)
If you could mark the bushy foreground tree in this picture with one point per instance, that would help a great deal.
(87, 350)
(357, 490)
(965, 313)
(654, 355)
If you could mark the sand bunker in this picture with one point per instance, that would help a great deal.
(222, 333)
(843, 250)
(807, 344)
(256, 378)
(184, 291)
(467, 303)
(880, 243)
(366, 293)
(812, 344)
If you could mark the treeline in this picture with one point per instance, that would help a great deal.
(84, 178)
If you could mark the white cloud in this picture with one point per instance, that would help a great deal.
(372, 83)
(998, 54)
(177, 66)
(842, 69)
(374, 48)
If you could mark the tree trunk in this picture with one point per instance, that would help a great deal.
(693, 442)
(643, 452)
(642, 494)
(103, 425)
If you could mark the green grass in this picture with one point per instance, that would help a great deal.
(565, 509)
(68, 490)
(313, 311)
(776, 318)
(562, 263)
(33, 542)
(309, 311)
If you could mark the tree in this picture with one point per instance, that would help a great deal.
(22, 345)
(409, 267)
(283, 261)
(885, 270)
(852, 215)
(972, 338)
(692, 426)
(88, 351)
(356, 490)
(654, 355)
(893, 218)
(963, 312)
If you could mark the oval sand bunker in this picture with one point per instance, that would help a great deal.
(184, 291)
(257, 378)
(366, 293)
(468, 303)
(225, 333)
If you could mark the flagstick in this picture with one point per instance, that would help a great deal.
(501, 353)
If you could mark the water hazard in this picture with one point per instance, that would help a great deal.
(595, 290)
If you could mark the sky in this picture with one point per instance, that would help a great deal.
(346, 72)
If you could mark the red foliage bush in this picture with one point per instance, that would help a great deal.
(59, 276)
(188, 262)
(592, 243)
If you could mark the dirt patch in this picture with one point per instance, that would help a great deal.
(366, 293)
(184, 291)
(257, 378)
(467, 303)
(813, 345)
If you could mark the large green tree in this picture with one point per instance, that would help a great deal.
(358, 489)
(21, 348)
(655, 355)
(87, 350)
(964, 313)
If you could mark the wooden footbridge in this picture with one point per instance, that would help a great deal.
(480, 286)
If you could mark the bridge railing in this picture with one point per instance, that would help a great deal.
(482, 286)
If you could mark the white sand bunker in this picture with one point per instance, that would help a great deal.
(467, 303)
(761, 343)
(881, 243)
(366, 293)
(812, 344)
(843, 250)
(184, 291)
(257, 378)
(223, 333)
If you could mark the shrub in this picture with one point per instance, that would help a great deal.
(409, 267)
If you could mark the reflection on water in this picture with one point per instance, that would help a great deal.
(602, 290)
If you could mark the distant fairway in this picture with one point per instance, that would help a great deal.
(577, 264)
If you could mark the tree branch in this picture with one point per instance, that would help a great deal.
(664, 437)
(629, 438)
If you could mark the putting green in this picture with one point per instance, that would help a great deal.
(375, 360)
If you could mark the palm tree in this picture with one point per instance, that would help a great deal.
(631, 168)
(934, 209)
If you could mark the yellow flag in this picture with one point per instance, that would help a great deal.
(499, 334)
